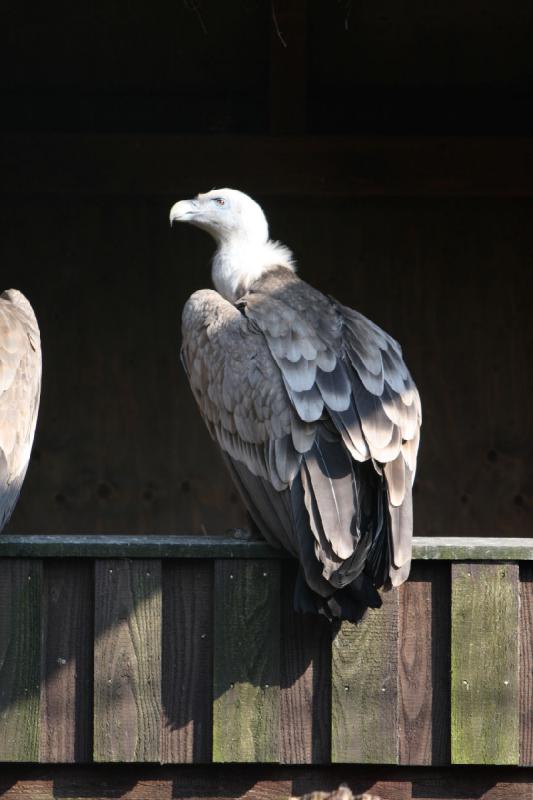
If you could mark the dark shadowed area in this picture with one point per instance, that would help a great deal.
(110, 118)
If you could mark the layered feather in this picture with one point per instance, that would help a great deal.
(20, 383)
(319, 420)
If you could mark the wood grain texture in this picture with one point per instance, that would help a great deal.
(260, 782)
(20, 647)
(66, 662)
(526, 664)
(425, 548)
(472, 548)
(134, 546)
(305, 728)
(246, 681)
(424, 666)
(484, 658)
(187, 665)
(365, 688)
(127, 660)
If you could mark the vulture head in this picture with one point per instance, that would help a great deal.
(224, 213)
(239, 227)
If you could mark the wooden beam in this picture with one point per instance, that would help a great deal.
(246, 662)
(103, 545)
(260, 782)
(187, 662)
(310, 166)
(364, 688)
(127, 661)
(424, 665)
(20, 659)
(472, 548)
(484, 664)
(526, 664)
(66, 656)
(133, 546)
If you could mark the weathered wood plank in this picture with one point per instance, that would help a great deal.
(365, 688)
(424, 667)
(127, 660)
(187, 681)
(133, 546)
(484, 660)
(20, 634)
(433, 548)
(246, 681)
(526, 664)
(254, 782)
(66, 662)
(143, 782)
(305, 735)
(472, 548)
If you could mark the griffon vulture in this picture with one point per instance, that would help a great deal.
(20, 387)
(313, 407)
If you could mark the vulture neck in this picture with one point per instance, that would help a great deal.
(239, 261)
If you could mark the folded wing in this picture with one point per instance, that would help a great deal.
(20, 384)
(344, 374)
(319, 422)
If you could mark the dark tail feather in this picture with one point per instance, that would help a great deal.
(350, 603)
(378, 561)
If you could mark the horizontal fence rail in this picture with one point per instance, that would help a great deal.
(101, 545)
(178, 650)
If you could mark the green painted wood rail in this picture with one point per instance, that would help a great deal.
(178, 649)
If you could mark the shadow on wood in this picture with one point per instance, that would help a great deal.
(118, 666)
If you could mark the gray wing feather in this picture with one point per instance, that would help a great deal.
(240, 391)
(331, 476)
(20, 384)
(358, 379)
(334, 386)
(299, 392)
(309, 405)
(389, 409)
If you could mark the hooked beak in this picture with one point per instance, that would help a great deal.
(183, 211)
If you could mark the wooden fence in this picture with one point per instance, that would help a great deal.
(179, 650)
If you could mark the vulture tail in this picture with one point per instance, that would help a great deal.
(341, 517)
(349, 603)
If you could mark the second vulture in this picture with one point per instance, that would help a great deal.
(313, 407)
(20, 387)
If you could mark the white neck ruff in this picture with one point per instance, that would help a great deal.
(238, 262)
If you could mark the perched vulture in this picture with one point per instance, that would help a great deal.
(313, 407)
(20, 387)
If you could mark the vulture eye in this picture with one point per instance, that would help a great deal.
(219, 201)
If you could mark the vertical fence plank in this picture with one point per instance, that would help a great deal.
(246, 661)
(20, 633)
(66, 661)
(365, 688)
(485, 640)
(305, 730)
(424, 667)
(187, 681)
(526, 664)
(127, 660)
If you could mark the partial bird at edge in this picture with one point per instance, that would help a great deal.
(20, 387)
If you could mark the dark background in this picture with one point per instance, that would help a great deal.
(389, 145)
